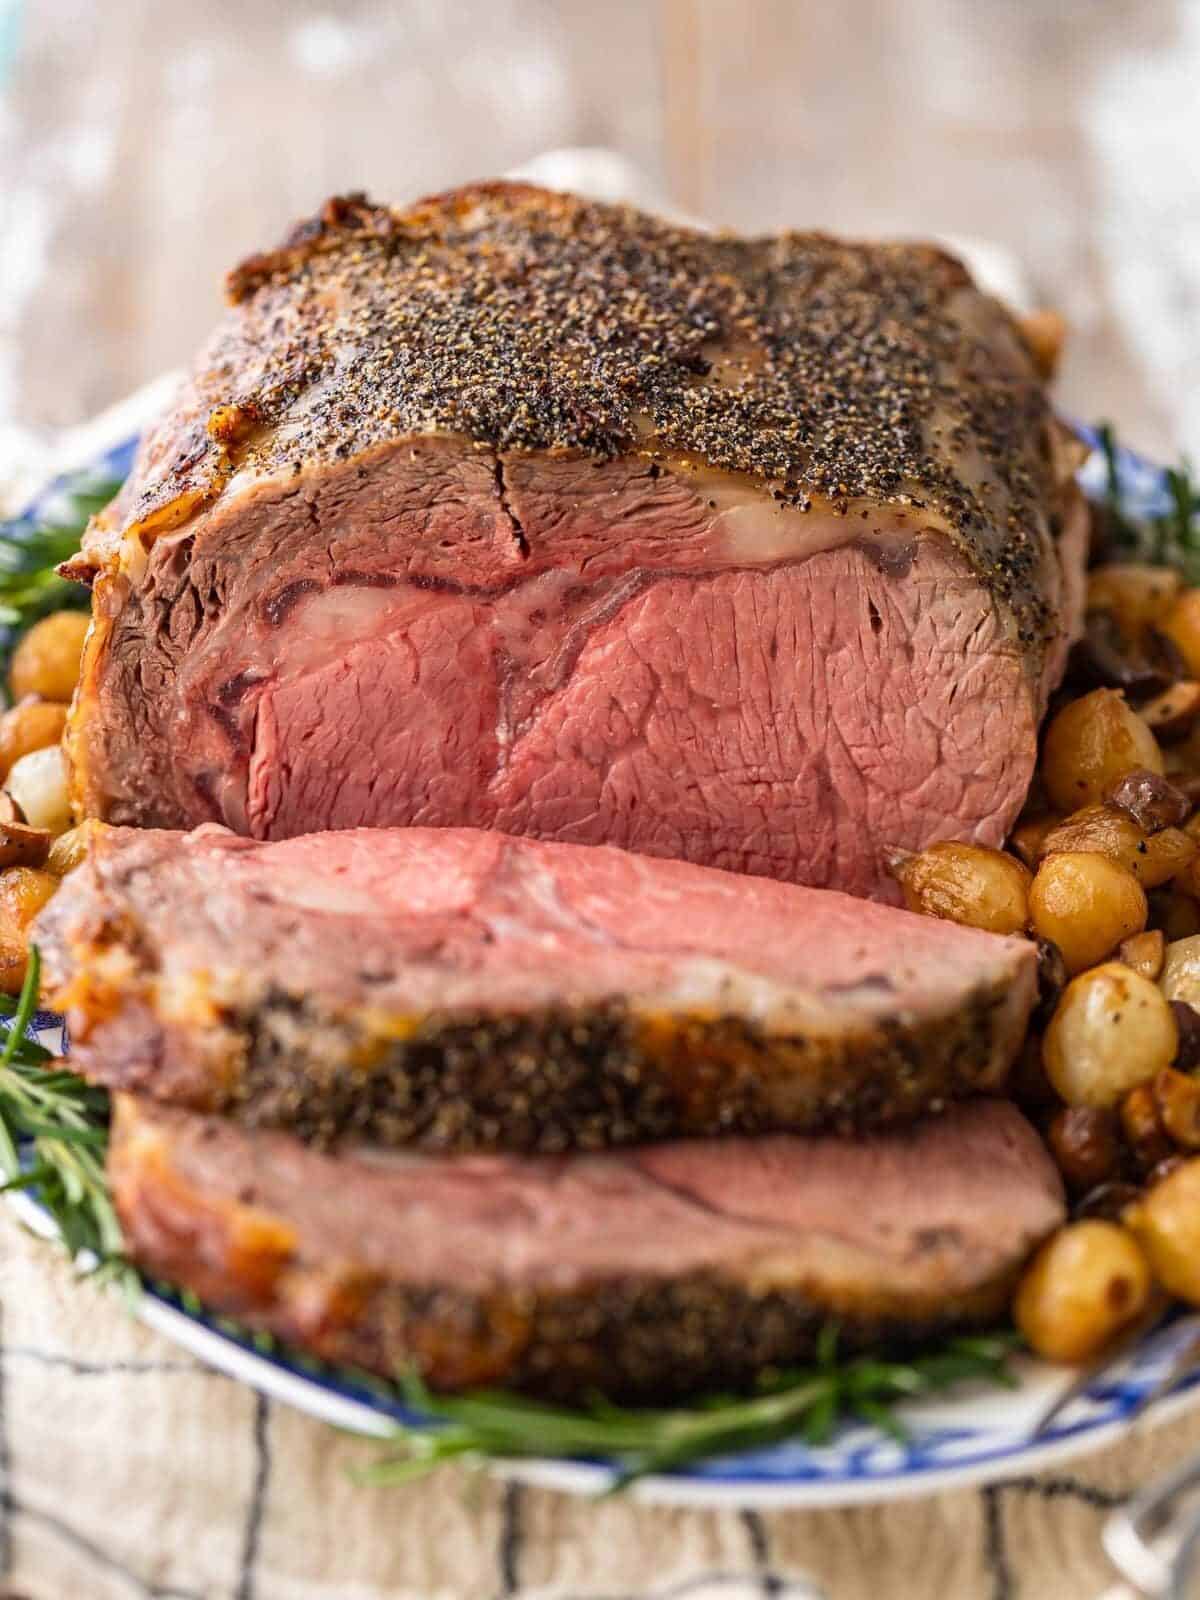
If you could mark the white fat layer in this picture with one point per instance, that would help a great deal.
(702, 984)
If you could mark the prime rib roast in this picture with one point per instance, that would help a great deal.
(455, 988)
(639, 1274)
(517, 511)
(507, 568)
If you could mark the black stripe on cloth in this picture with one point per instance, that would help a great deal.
(258, 1499)
(92, 1552)
(760, 1551)
(1064, 1485)
(995, 1545)
(512, 1536)
(1055, 1486)
(103, 1369)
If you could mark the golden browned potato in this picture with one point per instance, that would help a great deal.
(1086, 905)
(1178, 1098)
(1167, 1223)
(1141, 1125)
(1085, 1285)
(1153, 858)
(23, 893)
(70, 848)
(1145, 953)
(1028, 836)
(966, 883)
(1180, 978)
(46, 661)
(1091, 743)
(1182, 626)
(1170, 715)
(1189, 877)
(1135, 593)
(1111, 1031)
(1185, 751)
(38, 783)
(33, 725)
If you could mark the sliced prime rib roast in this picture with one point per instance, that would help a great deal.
(640, 1274)
(458, 988)
(517, 511)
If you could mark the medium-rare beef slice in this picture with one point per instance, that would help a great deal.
(457, 988)
(655, 1272)
(518, 511)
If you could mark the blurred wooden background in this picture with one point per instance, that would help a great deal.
(147, 144)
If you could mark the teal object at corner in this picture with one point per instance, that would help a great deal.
(10, 35)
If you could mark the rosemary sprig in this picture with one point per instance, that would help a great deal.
(53, 1138)
(806, 1404)
(31, 549)
(1169, 540)
(53, 1127)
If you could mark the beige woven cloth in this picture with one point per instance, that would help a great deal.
(127, 1471)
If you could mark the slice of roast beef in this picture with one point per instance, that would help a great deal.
(458, 988)
(650, 1273)
(517, 511)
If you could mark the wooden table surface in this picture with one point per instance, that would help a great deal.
(147, 144)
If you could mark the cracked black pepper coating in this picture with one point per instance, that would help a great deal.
(559, 1079)
(530, 321)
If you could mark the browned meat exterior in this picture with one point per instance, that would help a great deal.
(660, 1271)
(457, 988)
(517, 511)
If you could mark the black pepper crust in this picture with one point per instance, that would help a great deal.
(562, 1079)
(531, 321)
(631, 1339)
